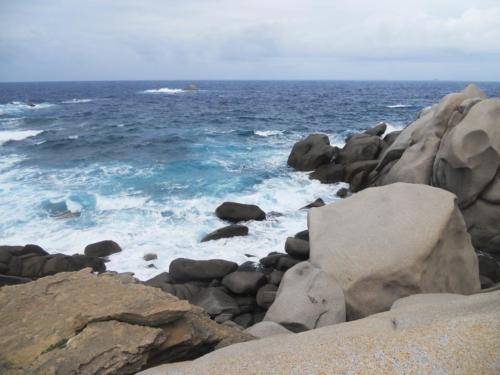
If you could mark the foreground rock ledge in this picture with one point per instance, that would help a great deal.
(81, 323)
(453, 337)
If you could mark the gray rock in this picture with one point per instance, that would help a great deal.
(236, 212)
(216, 302)
(297, 248)
(275, 277)
(244, 320)
(150, 256)
(342, 193)
(328, 173)
(311, 152)
(266, 295)
(241, 282)
(317, 203)
(102, 248)
(234, 230)
(391, 137)
(360, 147)
(182, 270)
(271, 260)
(307, 298)
(377, 130)
(286, 262)
(267, 329)
(303, 235)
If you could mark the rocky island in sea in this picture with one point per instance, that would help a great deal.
(399, 275)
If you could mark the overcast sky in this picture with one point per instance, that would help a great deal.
(251, 39)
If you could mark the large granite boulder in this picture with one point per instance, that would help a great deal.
(454, 337)
(311, 152)
(360, 147)
(81, 323)
(393, 241)
(267, 329)
(236, 212)
(307, 298)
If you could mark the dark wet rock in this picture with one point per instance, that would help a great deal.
(489, 267)
(286, 262)
(275, 277)
(250, 256)
(271, 260)
(486, 282)
(355, 168)
(227, 232)
(102, 248)
(159, 280)
(328, 173)
(377, 130)
(150, 256)
(360, 147)
(311, 152)
(303, 235)
(248, 266)
(266, 295)
(246, 303)
(391, 137)
(186, 291)
(297, 248)
(317, 203)
(182, 269)
(244, 320)
(342, 193)
(13, 280)
(32, 249)
(215, 302)
(236, 212)
(244, 282)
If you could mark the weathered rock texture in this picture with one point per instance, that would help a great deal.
(311, 152)
(307, 298)
(390, 242)
(455, 337)
(80, 323)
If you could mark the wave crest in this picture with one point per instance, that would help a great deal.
(399, 106)
(163, 90)
(268, 133)
(17, 135)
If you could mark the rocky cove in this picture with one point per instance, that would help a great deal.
(401, 276)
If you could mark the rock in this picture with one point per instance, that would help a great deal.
(286, 262)
(391, 137)
(307, 298)
(266, 295)
(241, 282)
(425, 298)
(215, 302)
(328, 173)
(408, 340)
(13, 280)
(360, 147)
(159, 280)
(311, 152)
(227, 232)
(87, 324)
(267, 329)
(355, 168)
(246, 304)
(244, 320)
(271, 260)
(275, 277)
(235, 212)
(317, 203)
(489, 267)
(102, 249)
(33, 249)
(297, 248)
(248, 266)
(390, 242)
(182, 269)
(302, 235)
(377, 130)
(150, 256)
(342, 192)
(486, 282)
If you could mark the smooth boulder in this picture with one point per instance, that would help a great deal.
(390, 242)
(182, 270)
(234, 230)
(311, 152)
(297, 248)
(243, 282)
(236, 212)
(102, 249)
(307, 298)
(267, 329)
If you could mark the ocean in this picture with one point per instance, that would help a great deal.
(145, 163)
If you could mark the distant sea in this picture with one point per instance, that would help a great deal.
(146, 163)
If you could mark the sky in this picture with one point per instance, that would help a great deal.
(64, 40)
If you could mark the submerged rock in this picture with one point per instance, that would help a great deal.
(317, 203)
(234, 230)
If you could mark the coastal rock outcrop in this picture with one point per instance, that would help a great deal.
(236, 212)
(390, 242)
(455, 337)
(87, 324)
(311, 152)
(307, 298)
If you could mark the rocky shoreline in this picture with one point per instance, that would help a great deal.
(418, 229)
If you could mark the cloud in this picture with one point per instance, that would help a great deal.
(154, 39)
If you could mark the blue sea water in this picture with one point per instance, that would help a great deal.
(146, 163)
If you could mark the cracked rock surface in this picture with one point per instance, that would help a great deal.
(81, 323)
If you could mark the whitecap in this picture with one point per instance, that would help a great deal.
(399, 106)
(73, 137)
(76, 101)
(268, 133)
(17, 135)
(163, 90)
(105, 203)
(17, 107)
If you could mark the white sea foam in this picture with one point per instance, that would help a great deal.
(77, 101)
(73, 137)
(399, 106)
(104, 203)
(17, 135)
(18, 107)
(268, 133)
(163, 90)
